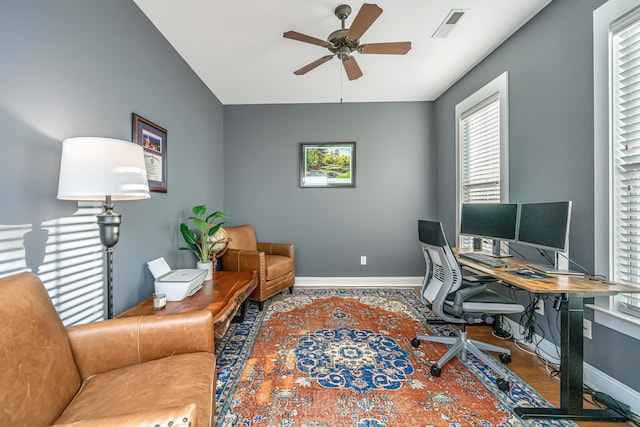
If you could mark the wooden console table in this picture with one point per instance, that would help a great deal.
(222, 296)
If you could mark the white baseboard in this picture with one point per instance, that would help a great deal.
(594, 378)
(359, 282)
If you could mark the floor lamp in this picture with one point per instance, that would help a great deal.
(107, 170)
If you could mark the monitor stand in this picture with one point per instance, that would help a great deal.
(496, 250)
(561, 267)
(551, 270)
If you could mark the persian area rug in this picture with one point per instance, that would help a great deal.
(343, 357)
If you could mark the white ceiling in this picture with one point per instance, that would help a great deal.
(237, 48)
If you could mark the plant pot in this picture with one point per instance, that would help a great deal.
(206, 266)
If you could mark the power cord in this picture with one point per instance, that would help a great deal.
(501, 330)
(528, 323)
(546, 256)
(512, 249)
(603, 400)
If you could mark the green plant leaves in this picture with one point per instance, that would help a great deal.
(216, 215)
(206, 226)
(199, 210)
(188, 234)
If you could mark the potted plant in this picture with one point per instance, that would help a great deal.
(200, 243)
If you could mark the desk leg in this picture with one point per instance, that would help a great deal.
(571, 371)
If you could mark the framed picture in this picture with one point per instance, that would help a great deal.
(327, 165)
(153, 139)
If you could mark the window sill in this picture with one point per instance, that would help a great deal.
(618, 321)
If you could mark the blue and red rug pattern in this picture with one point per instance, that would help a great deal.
(342, 357)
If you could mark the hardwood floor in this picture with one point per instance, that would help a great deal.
(532, 370)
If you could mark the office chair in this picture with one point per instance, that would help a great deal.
(453, 300)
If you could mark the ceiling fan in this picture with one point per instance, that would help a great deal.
(343, 42)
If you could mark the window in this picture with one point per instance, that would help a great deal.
(481, 129)
(617, 160)
(480, 146)
(625, 155)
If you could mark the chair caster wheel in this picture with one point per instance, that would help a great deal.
(505, 358)
(435, 371)
(502, 384)
(415, 342)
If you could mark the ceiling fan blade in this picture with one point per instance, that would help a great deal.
(366, 16)
(311, 66)
(394, 48)
(294, 35)
(352, 68)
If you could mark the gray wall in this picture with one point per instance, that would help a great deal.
(72, 68)
(550, 65)
(333, 227)
(80, 68)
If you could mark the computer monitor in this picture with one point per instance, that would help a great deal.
(497, 221)
(546, 226)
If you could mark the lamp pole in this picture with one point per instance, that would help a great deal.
(109, 224)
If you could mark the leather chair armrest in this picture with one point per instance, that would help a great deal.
(284, 249)
(240, 260)
(111, 344)
(175, 417)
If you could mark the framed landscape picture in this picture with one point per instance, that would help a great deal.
(153, 139)
(327, 165)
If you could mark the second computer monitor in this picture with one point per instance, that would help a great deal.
(545, 225)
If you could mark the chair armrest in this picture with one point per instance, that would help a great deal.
(175, 417)
(284, 249)
(241, 260)
(466, 293)
(111, 344)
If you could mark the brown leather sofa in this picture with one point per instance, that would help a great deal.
(135, 371)
(275, 263)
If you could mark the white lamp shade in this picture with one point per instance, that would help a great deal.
(92, 168)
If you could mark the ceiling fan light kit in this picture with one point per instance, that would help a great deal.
(343, 42)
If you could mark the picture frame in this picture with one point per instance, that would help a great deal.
(327, 165)
(153, 139)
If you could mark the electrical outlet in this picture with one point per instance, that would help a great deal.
(363, 260)
(586, 328)
(540, 307)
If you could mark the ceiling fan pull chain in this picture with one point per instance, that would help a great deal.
(340, 70)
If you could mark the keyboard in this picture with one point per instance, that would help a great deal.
(484, 259)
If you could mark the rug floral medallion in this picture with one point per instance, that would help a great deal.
(343, 357)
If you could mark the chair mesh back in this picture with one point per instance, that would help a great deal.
(438, 273)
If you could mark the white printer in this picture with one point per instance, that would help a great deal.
(175, 284)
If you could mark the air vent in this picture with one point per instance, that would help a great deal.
(449, 22)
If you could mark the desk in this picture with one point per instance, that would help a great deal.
(572, 290)
(222, 296)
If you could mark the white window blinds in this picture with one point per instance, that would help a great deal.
(480, 148)
(625, 171)
(480, 134)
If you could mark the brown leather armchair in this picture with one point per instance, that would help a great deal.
(134, 371)
(275, 263)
